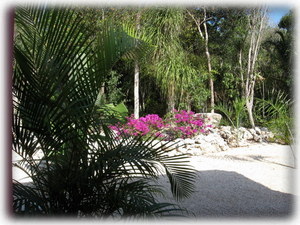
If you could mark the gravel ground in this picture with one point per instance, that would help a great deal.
(253, 181)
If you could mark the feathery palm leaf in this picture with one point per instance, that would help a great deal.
(82, 170)
(235, 113)
(278, 112)
(170, 67)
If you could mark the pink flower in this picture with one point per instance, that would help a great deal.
(187, 125)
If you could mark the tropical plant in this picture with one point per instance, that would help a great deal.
(110, 113)
(169, 64)
(277, 65)
(277, 111)
(235, 114)
(82, 170)
(278, 117)
(112, 91)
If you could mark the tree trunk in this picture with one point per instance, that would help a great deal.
(205, 38)
(250, 78)
(142, 101)
(241, 70)
(136, 90)
(102, 91)
(171, 99)
(211, 82)
(249, 106)
(137, 77)
(171, 103)
(256, 23)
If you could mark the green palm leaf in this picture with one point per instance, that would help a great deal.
(84, 167)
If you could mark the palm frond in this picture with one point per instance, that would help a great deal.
(27, 200)
(83, 167)
(277, 109)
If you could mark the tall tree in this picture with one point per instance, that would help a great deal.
(227, 34)
(168, 63)
(276, 61)
(201, 23)
(256, 23)
(137, 74)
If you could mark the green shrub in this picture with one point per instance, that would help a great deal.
(276, 114)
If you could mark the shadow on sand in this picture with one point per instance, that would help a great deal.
(229, 194)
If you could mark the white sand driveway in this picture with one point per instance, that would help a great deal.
(255, 181)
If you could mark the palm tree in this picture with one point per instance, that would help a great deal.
(168, 63)
(82, 170)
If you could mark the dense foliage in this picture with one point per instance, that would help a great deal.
(74, 80)
(175, 73)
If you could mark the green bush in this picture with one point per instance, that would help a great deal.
(234, 114)
(276, 114)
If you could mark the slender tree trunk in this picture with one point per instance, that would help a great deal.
(256, 24)
(136, 90)
(142, 100)
(171, 104)
(249, 103)
(102, 89)
(137, 77)
(188, 101)
(205, 38)
(211, 82)
(103, 14)
(171, 99)
(241, 70)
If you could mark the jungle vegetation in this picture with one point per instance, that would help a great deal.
(72, 66)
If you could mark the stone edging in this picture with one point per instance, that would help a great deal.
(220, 139)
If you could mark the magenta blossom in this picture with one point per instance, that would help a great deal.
(181, 123)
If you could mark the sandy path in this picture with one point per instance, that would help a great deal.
(253, 181)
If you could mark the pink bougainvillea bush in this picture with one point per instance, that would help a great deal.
(185, 124)
(147, 125)
(177, 124)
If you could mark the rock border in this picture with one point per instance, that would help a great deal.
(218, 139)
